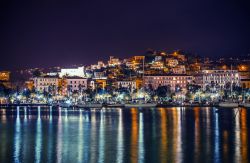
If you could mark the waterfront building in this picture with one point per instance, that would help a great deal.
(174, 81)
(245, 83)
(218, 78)
(72, 72)
(76, 84)
(131, 85)
(97, 83)
(46, 83)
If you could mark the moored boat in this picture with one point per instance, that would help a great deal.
(228, 104)
(115, 105)
(141, 105)
(246, 104)
(89, 105)
(64, 105)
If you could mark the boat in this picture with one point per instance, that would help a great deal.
(115, 105)
(89, 105)
(229, 104)
(64, 104)
(247, 104)
(141, 105)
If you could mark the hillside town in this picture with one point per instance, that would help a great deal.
(158, 78)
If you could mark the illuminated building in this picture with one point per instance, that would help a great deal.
(138, 58)
(5, 78)
(113, 61)
(98, 83)
(72, 72)
(126, 84)
(99, 75)
(168, 80)
(180, 69)
(172, 62)
(45, 83)
(157, 65)
(245, 83)
(62, 86)
(76, 83)
(4, 75)
(179, 56)
(99, 65)
(29, 84)
(135, 62)
(244, 71)
(219, 78)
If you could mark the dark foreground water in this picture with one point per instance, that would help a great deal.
(125, 135)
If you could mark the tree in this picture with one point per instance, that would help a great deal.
(163, 91)
(37, 73)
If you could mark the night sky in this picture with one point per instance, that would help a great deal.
(42, 33)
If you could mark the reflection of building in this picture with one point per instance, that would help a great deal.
(4, 75)
(72, 72)
(131, 85)
(45, 83)
(168, 80)
(219, 78)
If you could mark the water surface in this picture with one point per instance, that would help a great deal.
(124, 135)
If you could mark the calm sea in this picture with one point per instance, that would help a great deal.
(122, 135)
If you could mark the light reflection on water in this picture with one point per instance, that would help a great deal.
(124, 135)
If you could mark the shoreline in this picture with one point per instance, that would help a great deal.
(105, 106)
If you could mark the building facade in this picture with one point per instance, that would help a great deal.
(4, 75)
(132, 85)
(72, 72)
(173, 81)
(46, 83)
(76, 84)
(245, 83)
(218, 78)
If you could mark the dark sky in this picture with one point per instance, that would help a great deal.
(41, 33)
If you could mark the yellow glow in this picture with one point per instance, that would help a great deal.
(134, 135)
(244, 135)
(163, 146)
